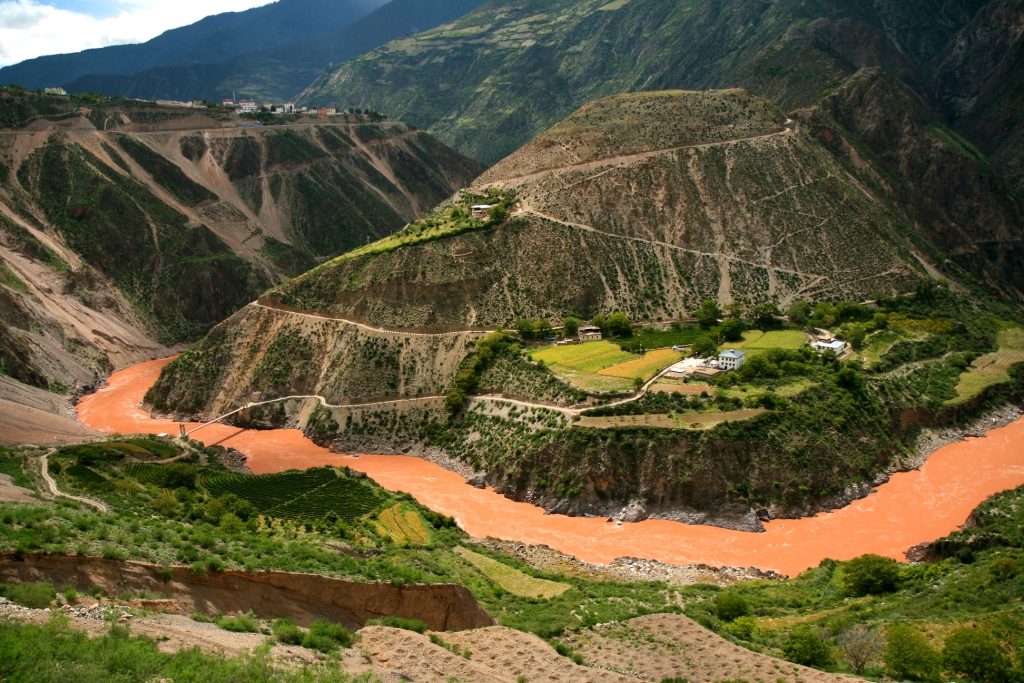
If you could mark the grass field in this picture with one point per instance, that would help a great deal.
(652, 339)
(644, 367)
(992, 367)
(512, 580)
(748, 337)
(673, 421)
(778, 339)
(785, 391)
(685, 389)
(588, 357)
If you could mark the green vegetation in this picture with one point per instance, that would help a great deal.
(398, 622)
(34, 595)
(512, 580)
(31, 652)
(588, 357)
(164, 172)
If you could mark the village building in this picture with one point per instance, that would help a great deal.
(228, 103)
(590, 334)
(837, 346)
(55, 91)
(248, 106)
(481, 212)
(288, 107)
(731, 359)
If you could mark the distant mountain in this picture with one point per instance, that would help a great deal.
(507, 71)
(213, 39)
(278, 73)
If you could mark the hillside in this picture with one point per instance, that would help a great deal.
(121, 241)
(649, 204)
(212, 39)
(278, 73)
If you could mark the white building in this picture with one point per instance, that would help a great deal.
(288, 107)
(228, 103)
(590, 334)
(55, 91)
(839, 347)
(731, 359)
(248, 106)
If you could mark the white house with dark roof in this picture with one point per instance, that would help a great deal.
(731, 359)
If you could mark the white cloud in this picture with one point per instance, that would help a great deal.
(30, 29)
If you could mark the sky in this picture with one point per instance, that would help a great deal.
(29, 28)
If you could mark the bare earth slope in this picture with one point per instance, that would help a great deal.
(122, 241)
(643, 203)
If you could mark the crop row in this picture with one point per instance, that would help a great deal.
(345, 497)
(266, 491)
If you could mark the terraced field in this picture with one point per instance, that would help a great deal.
(992, 367)
(297, 495)
(644, 367)
(512, 580)
(878, 344)
(403, 524)
(581, 364)
(86, 476)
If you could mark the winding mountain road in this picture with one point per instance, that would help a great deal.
(45, 467)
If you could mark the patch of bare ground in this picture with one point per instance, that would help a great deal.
(20, 424)
(9, 493)
(413, 657)
(512, 654)
(622, 569)
(661, 646)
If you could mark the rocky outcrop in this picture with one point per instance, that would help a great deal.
(301, 597)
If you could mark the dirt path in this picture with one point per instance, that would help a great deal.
(630, 158)
(367, 328)
(44, 468)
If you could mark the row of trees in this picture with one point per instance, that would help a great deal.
(614, 325)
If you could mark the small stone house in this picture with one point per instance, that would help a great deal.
(481, 212)
(590, 334)
(839, 347)
(731, 359)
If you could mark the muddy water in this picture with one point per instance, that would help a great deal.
(915, 506)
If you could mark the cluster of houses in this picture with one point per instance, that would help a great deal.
(252, 106)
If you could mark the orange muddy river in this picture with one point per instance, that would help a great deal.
(917, 506)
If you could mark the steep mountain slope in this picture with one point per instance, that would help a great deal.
(277, 73)
(147, 234)
(212, 39)
(645, 203)
(492, 80)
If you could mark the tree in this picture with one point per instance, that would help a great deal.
(731, 330)
(498, 213)
(734, 310)
(908, 654)
(803, 646)
(1016, 372)
(765, 314)
(571, 325)
(600, 322)
(708, 313)
(974, 654)
(524, 326)
(619, 325)
(870, 575)
(542, 328)
(731, 606)
(860, 645)
(705, 346)
(454, 401)
(799, 311)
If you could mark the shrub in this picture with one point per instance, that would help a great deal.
(730, 606)
(34, 595)
(398, 622)
(287, 632)
(178, 475)
(803, 646)
(870, 575)
(973, 653)
(860, 645)
(1004, 568)
(231, 524)
(742, 627)
(246, 623)
(112, 552)
(326, 636)
(908, 654)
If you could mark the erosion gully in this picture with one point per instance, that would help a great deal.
(916, 506)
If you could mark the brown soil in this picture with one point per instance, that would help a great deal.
(20, 424)
(665, 645)
(9, 493)
(301, 597)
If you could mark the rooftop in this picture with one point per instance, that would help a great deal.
(731, 353)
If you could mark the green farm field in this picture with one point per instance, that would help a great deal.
(778, 339)
(992, 367)
(588, 357)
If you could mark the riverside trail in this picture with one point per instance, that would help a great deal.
(921, 505)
